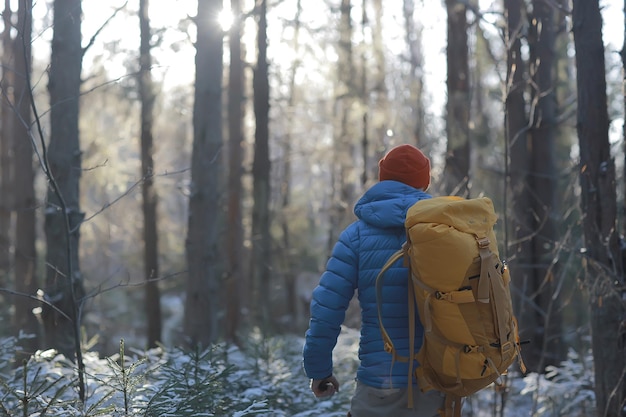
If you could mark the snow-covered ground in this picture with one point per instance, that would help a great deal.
(263, 379)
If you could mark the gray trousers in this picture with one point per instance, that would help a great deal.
(376, 402)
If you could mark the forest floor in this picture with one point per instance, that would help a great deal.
(265, 378)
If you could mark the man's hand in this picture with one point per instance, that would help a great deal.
(324, 387)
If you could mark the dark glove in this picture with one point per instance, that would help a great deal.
(325, 387)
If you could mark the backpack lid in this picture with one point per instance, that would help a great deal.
(475, 215)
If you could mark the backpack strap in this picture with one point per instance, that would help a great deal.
(388, 344)
(488, 273)
(485, 258)
(452, 406)
(457, 297)
(389, 348)
(411, 294)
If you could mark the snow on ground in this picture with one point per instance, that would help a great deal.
(265, 378)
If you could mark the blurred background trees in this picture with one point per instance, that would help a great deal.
(149, 195)
(259, 129)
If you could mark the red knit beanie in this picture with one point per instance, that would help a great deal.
(407, 164)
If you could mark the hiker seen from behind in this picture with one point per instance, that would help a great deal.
(362, 249)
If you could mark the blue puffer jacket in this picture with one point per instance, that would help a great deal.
(361, 251)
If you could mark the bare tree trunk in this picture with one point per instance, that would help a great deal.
(64, 282)
(343, 172)
(364, 95)
(481, 132)
(456, 171)
(380, 114)
(604, 269)
(623, 56)
(236, 94)
(518, 144)
(204, 258)
(62, 159)
(149, 193)
(546, 345)
(413, 36)
(6, 145)
(261, 241)
(26, 281)
(285, 189)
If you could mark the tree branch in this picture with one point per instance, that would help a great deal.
(92, 40)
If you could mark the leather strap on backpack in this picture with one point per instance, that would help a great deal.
(388, 344)
(488, 274)
(389, 348)
(485, 257)
(411, 294)
(452, 406)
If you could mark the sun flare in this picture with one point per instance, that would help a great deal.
(225, 19)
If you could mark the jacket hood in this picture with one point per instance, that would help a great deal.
(386, 203)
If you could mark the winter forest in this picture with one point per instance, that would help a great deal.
(174, 175)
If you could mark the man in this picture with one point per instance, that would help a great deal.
(361, 251)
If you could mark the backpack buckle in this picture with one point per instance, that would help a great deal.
(483, 242)
(507, 346)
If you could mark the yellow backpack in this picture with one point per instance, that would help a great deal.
(461, 289)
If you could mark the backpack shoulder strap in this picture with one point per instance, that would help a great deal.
(379, 299)
(389, 347)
